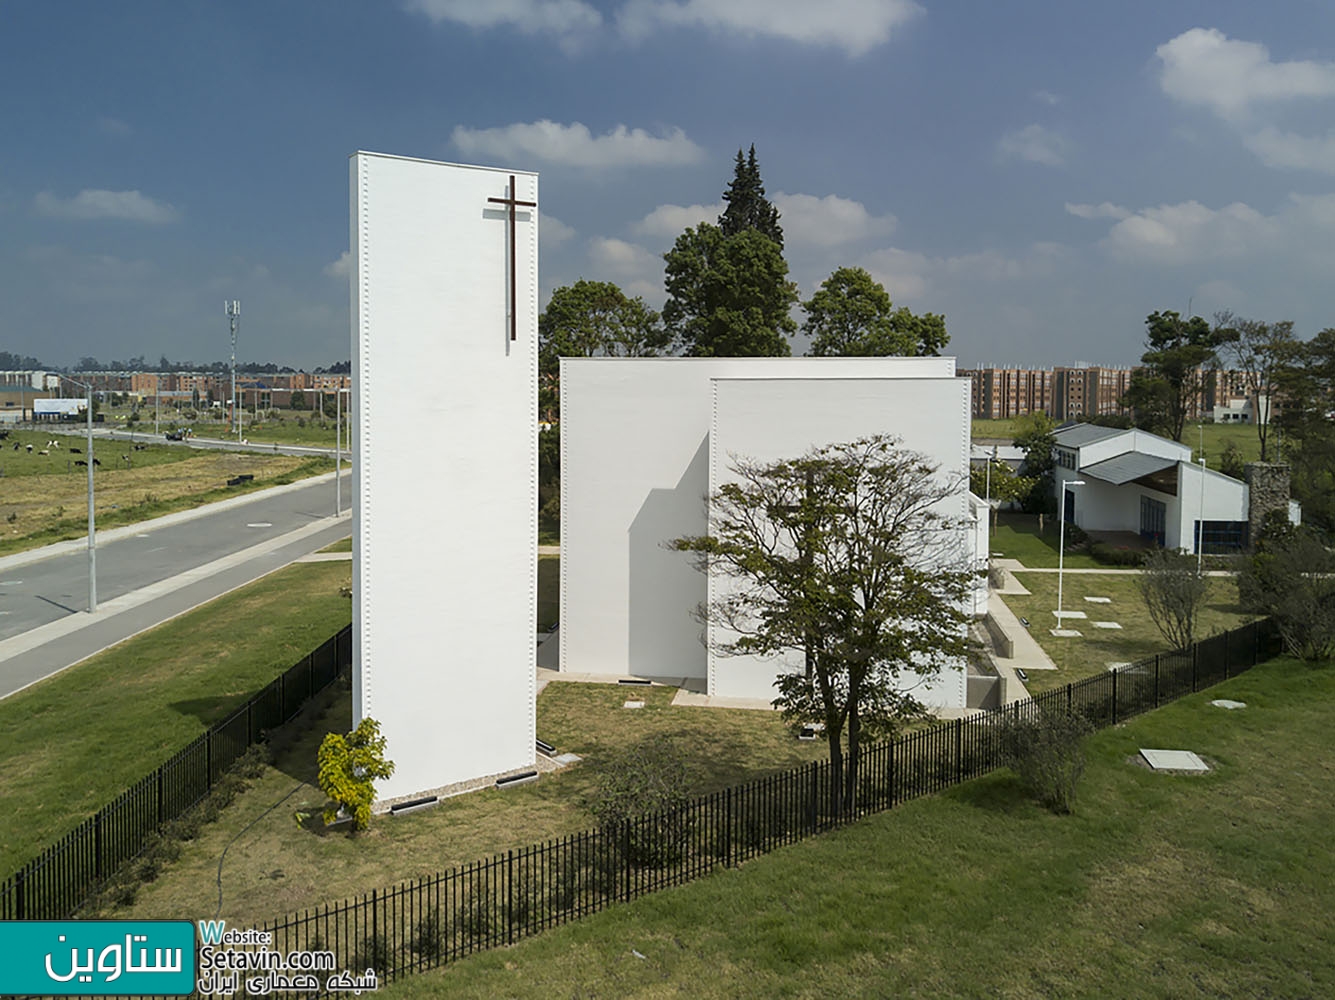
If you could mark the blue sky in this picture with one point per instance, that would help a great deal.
(1044, 173)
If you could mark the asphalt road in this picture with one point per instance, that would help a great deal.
(55, 587)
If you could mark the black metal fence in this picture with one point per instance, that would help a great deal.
(54, 884)
(427, 922)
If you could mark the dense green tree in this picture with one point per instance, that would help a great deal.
(591, 319)
(1034, 433)
(1176, 350)
(1307, 387)
(851, 315)
(1291, 577)
(998, 483)
(728, 296)
(843, 556)
(297, 402)
(747, 207)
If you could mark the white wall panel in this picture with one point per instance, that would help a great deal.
(444, 553)
(772, 419)
(635, 473)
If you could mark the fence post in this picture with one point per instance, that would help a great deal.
(250, 728)
(510, 897)
(1156, 680)
(21, 895)
(1069, 699)
(625, 860)
(97, 845)
(208, 759)
(890, 773)
(1115, 672)
(1195, 663)
(375, 921)
(959, 750)
(727, 829)
(160, 783)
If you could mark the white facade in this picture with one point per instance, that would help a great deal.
(636, 453)
(1186, 492)
(444, 536)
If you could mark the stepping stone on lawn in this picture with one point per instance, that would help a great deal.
(1106, 625)
(1228, 703)
(633, 704)
(1069, 614)
(1173, 760)
(1099, 600)
(1064, 633)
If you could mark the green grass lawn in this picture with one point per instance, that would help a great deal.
(1160, 886)
(1090, 654)
(277, 867)
(71, 744)
(1016, 536)
(342, 545)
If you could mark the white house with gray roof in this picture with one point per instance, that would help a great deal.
(1139, 482)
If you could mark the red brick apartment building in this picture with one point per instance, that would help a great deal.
(1064, 393)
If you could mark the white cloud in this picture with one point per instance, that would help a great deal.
(638, 271)
(341, 268)
(532, 17)
(912, 275)
(1103, 210)
(575, 146)
(95, 204)
(808, 220)
(1204, 66)
(669, 221)
(902, 272)
(856, 26)
(1288, 149)
(1047, 97)
(1034, 144)
(553, 232)
(1190, 231)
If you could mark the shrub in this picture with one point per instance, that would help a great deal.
(646, 787)
(1174, 592)
(1111, 556)
(349, 767)
(1292, 578)
(1046, 751)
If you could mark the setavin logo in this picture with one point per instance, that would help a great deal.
(97, 957)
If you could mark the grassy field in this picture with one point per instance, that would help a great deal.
(44, 498)
(279, 867)
(1160, 886)
(342, 545)
(1016, 536)
(70, 744)
(1096, 648)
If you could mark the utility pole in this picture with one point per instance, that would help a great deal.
(232, 307)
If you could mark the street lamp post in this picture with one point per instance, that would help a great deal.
(232, 307)
(1061, 545)
(92, 529)
(1200, 530)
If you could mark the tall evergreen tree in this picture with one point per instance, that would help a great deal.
(748, 208)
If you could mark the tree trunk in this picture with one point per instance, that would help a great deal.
(851, 785)
(836, 770)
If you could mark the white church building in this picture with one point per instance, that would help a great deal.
(645, 441)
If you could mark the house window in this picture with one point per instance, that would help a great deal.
(1153, 519)
(1222, 536)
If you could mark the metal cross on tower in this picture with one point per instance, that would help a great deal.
(513, 204)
